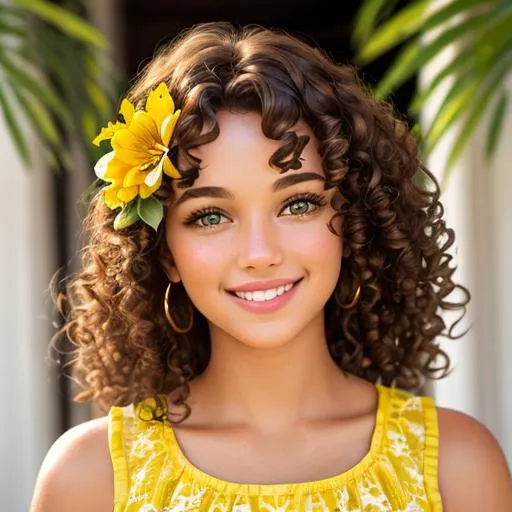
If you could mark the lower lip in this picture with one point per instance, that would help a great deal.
(267, 306)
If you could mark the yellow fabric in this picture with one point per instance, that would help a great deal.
(398, 474)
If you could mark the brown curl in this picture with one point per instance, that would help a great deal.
(395, 240)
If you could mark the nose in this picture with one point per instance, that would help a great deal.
(260, 245)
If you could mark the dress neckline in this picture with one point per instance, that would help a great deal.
(339, 480)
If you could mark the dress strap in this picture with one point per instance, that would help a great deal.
(118, 455)
(411, 436)
(431, 460)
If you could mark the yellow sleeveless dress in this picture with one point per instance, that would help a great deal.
(398, 474)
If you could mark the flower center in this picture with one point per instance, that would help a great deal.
(161, 147)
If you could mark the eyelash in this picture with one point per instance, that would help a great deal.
(317, 200)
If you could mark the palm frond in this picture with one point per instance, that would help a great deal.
(478, 29)
(14, 128)
(50, 63)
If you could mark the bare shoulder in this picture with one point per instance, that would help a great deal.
(473, 471)
(76, 473)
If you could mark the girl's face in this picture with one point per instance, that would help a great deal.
(251, 245)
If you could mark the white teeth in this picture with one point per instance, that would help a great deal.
(264, 295)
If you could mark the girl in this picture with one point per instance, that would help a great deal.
(260, 298)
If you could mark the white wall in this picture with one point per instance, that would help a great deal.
(28, 389)
(26, 265)
(500, 277)
(479, 208)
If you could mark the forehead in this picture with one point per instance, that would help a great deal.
(240, 154)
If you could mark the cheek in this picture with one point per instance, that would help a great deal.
(320, 247)
(197, 259)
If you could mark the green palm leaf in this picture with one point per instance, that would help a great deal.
(50, 62)
(479, 29)
(486, 47)
(64, 20)
(491, 85)
(405, 67)
(406, 22)
(19, 73)
(414, 18)
(497, 119)
(39, 116)
(14, 128)
(366, 19)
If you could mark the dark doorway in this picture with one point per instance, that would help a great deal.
(326, 23)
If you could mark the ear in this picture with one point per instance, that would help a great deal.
(167, 261)
(171, 270)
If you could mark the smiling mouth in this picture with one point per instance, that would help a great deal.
(265, 295)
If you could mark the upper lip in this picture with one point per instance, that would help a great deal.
(262, 285)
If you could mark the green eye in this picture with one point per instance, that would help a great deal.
(211, 219)
(302, 205)
(299, 207)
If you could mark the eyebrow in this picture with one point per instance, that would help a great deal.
(223, 193)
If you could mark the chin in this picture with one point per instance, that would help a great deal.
(267, 335)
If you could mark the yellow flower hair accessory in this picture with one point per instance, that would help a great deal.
(133, 170)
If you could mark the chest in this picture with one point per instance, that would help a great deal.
(302, 455)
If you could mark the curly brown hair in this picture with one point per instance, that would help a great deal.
(394, 237)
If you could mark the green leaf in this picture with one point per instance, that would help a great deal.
(127, 216)
(20, 77)
(417, 54)
(98, 98)
(417, 18)
(9, 10)
(15, 131)
(496, 124)
(151, 211)
(401, 26)
(40, 118)
(11, 29)
(404, 67)
(461, 94)
(487, 47)
(479, 105)
(67, 22)
(399, 72)
(417, 133)
(461, 63)
(365, 20)
(456, 8)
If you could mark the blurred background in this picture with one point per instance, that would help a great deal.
(445, 65)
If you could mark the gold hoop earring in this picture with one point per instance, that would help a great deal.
(355, 300)
(175, 327)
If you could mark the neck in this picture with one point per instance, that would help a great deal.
(269, 388)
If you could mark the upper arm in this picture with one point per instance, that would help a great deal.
(473, 472)
(76, 473)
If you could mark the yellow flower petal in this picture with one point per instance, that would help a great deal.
(139, 139)
(144, 128)
(127, 194)
(145, 191)
(105, 134)
(108, 132)
(127, 110)
(159, 104)
(167, 128)
(110, 196)
(170, 170)
(140, 146)
(136, 144)
(116, 169)
(134, 177)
